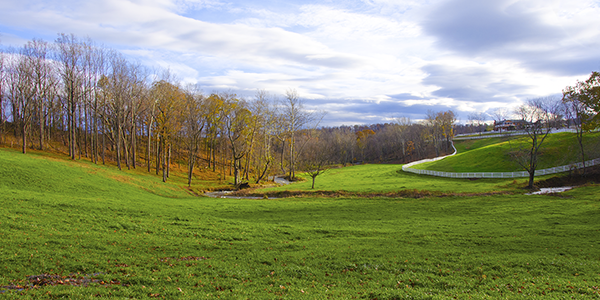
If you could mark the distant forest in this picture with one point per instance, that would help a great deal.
(90, 102)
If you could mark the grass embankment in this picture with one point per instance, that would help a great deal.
(493, 154)
(91, 236)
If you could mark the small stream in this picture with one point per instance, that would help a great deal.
(225, 194)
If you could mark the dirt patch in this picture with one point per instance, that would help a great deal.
(592, 175)
(407, 193)
(42, 280)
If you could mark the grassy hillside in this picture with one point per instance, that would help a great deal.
(391, 178)
(492, 155)
(76, 230)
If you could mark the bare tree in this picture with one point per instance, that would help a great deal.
(538, 114)
(316, 157)
(169, 104)
(194, 116)
(45, 83)
(477, 119)
(295, 117)
(69, 56)
(26, 91)
(32, 80)
(499, 115)
(265, 122)
(213, 105)
(402, 125)
(237, 125)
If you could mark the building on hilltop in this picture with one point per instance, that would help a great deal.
(506, 125)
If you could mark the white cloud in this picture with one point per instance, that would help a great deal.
(428, 52)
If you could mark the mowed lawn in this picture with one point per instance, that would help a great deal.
(381, 178)
(87, 232)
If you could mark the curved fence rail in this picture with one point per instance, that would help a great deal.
(565, 168)
(505, 134)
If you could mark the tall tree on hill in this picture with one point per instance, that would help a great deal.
(577, 113)
(116, 87)
(193, 123)
(295, 117)
(169, 105)
(69, 56)
(45, 83)
(237, 125)
(26, 91)
(214, 104)
(539, 115)
(265, 122)
(137, 96)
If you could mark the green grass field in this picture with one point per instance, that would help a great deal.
(88, 231)
(391, 178)
(492, 154)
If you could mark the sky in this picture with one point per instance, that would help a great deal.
(361, 61)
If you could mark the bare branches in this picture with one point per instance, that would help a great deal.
(539, 115)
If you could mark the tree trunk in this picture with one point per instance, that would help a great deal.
(164, 162)
(24, 134)
(103, 144)
(580, 141)
(126, 149)
(118, 142)
(282, 155)
(158, 149)
(531, 178)
(133, 142)
(169, 161)
(190, 168)
(214, 153)
(149, 146)
(42, 121)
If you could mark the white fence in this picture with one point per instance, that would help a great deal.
(470, 136)
(427, 160)
(565, 168)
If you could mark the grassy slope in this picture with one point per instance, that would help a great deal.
(60, 218)
(491, 155)
(390, 178)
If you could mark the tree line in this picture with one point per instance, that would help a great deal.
(91, 102)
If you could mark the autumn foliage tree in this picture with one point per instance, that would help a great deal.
(237, 126)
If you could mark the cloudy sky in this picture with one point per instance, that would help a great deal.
(362, 61)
